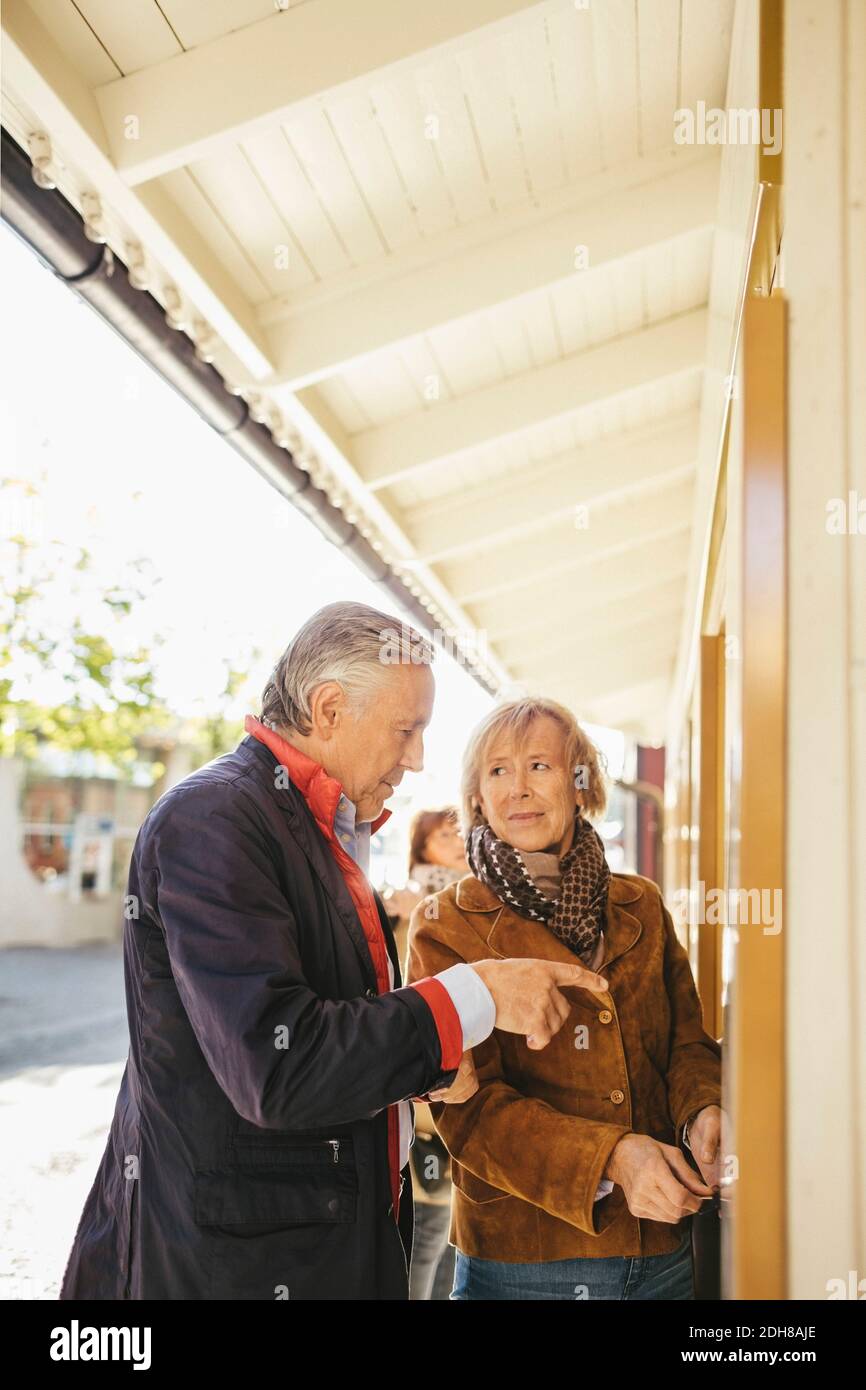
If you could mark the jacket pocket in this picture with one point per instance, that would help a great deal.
(280, 1147)
(243, 1133)
(273, 1197)
(475, 1189)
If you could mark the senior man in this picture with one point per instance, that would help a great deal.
(260, 1139)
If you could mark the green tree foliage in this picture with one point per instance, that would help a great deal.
(102, 689)
(218, 733)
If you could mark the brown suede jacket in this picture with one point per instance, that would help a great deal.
(530, 1147)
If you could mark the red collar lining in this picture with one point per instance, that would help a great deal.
(321, 792)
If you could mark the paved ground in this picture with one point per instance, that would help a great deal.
(63, 1047)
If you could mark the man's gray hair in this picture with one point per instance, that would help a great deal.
(345, 642)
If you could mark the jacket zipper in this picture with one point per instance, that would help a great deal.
(247, 1141)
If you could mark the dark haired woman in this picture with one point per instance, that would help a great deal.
(437, 857)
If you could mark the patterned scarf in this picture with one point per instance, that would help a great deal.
(577, 916)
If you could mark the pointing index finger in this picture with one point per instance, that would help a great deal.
(579, 975)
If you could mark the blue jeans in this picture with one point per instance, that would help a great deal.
(647, 1277)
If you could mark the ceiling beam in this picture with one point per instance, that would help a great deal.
(37, 71)
(391, 452)
(495, 260)
(221, 92)
(554, 556)
(638, 710)
(601, 670)
(325, 435)
(622, 578)
(604, 618)
(605, 471)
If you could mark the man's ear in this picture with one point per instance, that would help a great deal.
(327, 709)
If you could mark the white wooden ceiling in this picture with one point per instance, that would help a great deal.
(453, 254)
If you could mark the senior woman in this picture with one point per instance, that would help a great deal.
(568, 1179)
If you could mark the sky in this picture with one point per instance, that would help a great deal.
(128, 470)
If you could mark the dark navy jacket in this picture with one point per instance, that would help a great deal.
(247, 1157)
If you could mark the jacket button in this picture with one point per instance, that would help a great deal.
(370, 994)
(333, 1204)
(617, 1097)
(605, 1016)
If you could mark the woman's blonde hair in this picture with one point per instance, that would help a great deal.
(515, 719)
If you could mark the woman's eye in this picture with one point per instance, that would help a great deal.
(494, 770)
(545, 765)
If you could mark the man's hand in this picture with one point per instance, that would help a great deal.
(705, 1142)
(527, 998)
(464, 1085)
(656, 1178)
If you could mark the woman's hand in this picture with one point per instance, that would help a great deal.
(464, 1085)
(705, 1142)
(656, 1178)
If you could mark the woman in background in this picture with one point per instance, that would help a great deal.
(437, 853)
(437, 858)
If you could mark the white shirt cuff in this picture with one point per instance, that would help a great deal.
(604, 1187)
(472, 1000)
